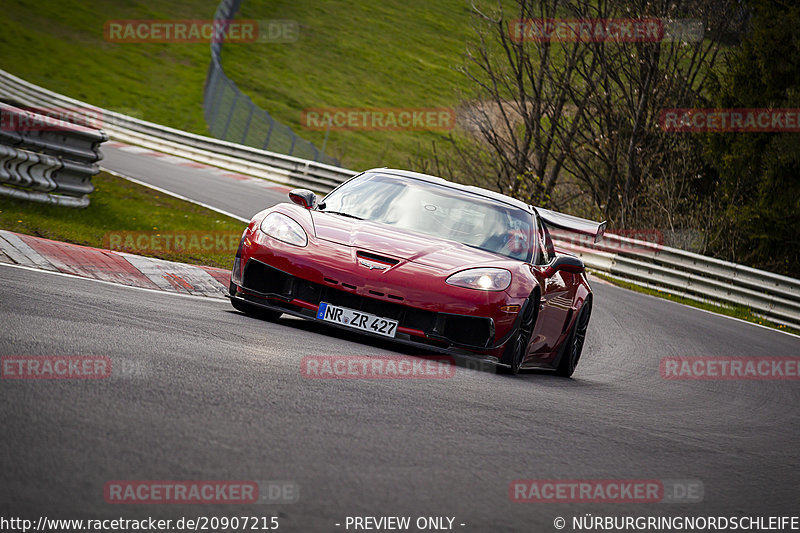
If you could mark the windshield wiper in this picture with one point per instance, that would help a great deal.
(348, 215)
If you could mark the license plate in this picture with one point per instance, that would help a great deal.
(357, 319)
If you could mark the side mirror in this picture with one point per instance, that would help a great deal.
(567, 263)
(303, 198)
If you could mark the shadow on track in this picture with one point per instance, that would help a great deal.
(540, 377)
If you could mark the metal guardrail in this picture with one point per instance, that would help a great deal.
(650, 265)
(45, 159)
(275, 167)
(691, 275)
(231, 115)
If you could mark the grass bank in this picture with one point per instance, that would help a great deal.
(129, 217)
(352, 53)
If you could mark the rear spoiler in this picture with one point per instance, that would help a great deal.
(571, 223)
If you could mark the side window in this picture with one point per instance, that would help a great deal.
(548, 245)
(543, 244)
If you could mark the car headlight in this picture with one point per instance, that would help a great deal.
(283, 228)
(483, 279)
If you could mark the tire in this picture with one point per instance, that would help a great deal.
(518, 345)
(573, 345)
(253, 310)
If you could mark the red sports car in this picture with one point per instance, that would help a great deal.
(423, 261)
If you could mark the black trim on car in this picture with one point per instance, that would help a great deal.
(264, 281)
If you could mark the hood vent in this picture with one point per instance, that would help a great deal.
(388, 261)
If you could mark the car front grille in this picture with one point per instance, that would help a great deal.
(460, 330)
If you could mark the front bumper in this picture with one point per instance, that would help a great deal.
(272, 288)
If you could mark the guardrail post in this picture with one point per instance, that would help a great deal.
(269, 131)
(247, 124)
(230, 115)
(217, 103)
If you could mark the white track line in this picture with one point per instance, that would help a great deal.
(73, 276)
(703, 310)
(175, 195)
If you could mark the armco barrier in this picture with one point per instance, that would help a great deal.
(692, 275)
(280, 168)
(47, 160)
(647, 264)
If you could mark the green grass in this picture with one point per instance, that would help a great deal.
(358, 53)
(352, 53)
(119, 206)
(736, 311)
(60, 45)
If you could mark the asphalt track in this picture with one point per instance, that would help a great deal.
(240, 198)
(207, 393)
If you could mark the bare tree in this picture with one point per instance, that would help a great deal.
(622, 143)
(586, 112)
(526, 111)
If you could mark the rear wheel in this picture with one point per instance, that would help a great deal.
(573, 345)
(253, 310)
(518, 345)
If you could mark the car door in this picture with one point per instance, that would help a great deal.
(555, 302)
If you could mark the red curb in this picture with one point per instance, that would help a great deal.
(192, 164)
(107, 265)
(239, 177)
(178, 283)
(223, 276)
(88, 262)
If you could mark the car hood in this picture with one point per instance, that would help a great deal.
(400, 244)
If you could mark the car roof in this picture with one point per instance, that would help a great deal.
(453, 185)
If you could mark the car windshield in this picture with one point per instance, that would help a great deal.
(436, 210)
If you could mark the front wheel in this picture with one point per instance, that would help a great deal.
(518, 345)
(573, 345)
